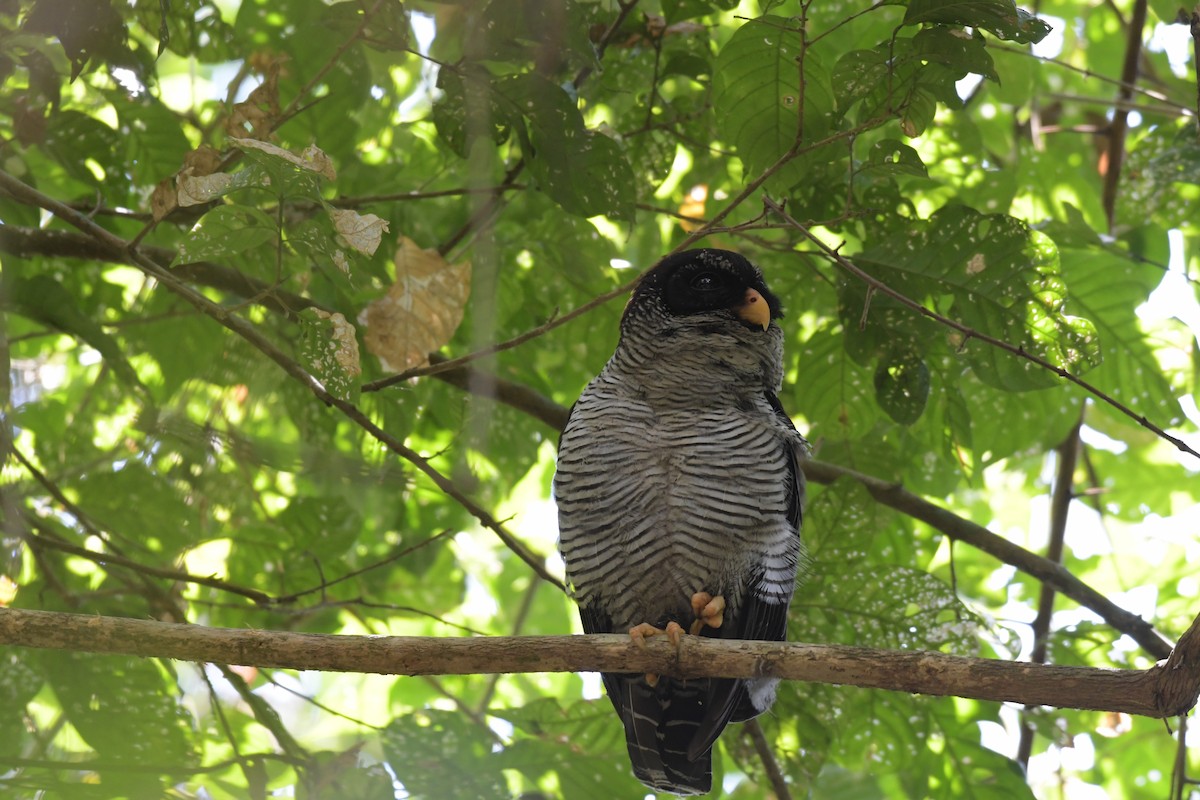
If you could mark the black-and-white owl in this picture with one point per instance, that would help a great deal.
(679, 493)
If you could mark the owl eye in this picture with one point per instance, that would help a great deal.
(705, 282)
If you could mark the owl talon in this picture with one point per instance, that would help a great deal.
(709, 611)
(638, 633)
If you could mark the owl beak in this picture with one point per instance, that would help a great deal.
(754, 309)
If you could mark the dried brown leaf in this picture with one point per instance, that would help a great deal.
(194, 190)
(312, 159)
(204, 160)
(163, 200)
(421, 310)
(361, 232)
(257, 115)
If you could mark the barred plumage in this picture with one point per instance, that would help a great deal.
(678, 473)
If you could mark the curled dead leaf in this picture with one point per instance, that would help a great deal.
(204, 160)
(312, 159)
(163, 200)
(194, 190)
(421, 310)
(361, 232)
(257, 115)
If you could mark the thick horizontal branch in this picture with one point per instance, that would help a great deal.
(1167, 689)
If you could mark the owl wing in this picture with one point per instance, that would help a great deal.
(762, 612)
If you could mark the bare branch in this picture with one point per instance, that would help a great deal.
(1120, 123)
(1165, 690)
(1060, 505)
(763, 748)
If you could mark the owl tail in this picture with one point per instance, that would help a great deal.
(660, 724)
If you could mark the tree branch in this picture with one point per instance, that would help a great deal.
(1060, 505)
(763, 748)
(1120, 123)
(27, 242)
(1165, 690)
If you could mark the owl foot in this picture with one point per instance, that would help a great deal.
(709, 611)
(638, 634)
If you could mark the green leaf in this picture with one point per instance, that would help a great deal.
(834, 393)
(44, 299)
(287, 175)
(153, 137)
(1108, 289)
(902, 388)
(891, 156)
(1162, 174)
(582, 170)
(441, 754)
(330, 351)
(757, 92)
(951, 47)
(583, 744)
(468, 109)
(1001, 18)
(121, 707)
(75, 139)
(20, 680)
(226, 232)
(858, 74)
(135, 498)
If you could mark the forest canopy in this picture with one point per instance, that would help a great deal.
(296, 296)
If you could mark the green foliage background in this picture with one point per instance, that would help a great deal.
(555, 145)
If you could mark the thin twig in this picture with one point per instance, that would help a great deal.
(362, 570)
(139, 768)
(705, 230)
(397, 197)
(263, 712)
(110, 559)
(767, 756)
(963, 530)
(314, 702)
(1087, 73)
(1060, 504)
(1194, 27)
(1120, 123)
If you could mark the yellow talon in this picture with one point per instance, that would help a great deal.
(709, 611)
(638, 633)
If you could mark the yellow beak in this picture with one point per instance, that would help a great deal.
(755, 310)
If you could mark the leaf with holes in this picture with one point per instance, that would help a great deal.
(1001, 18)
(330, 350)
(994, 275)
